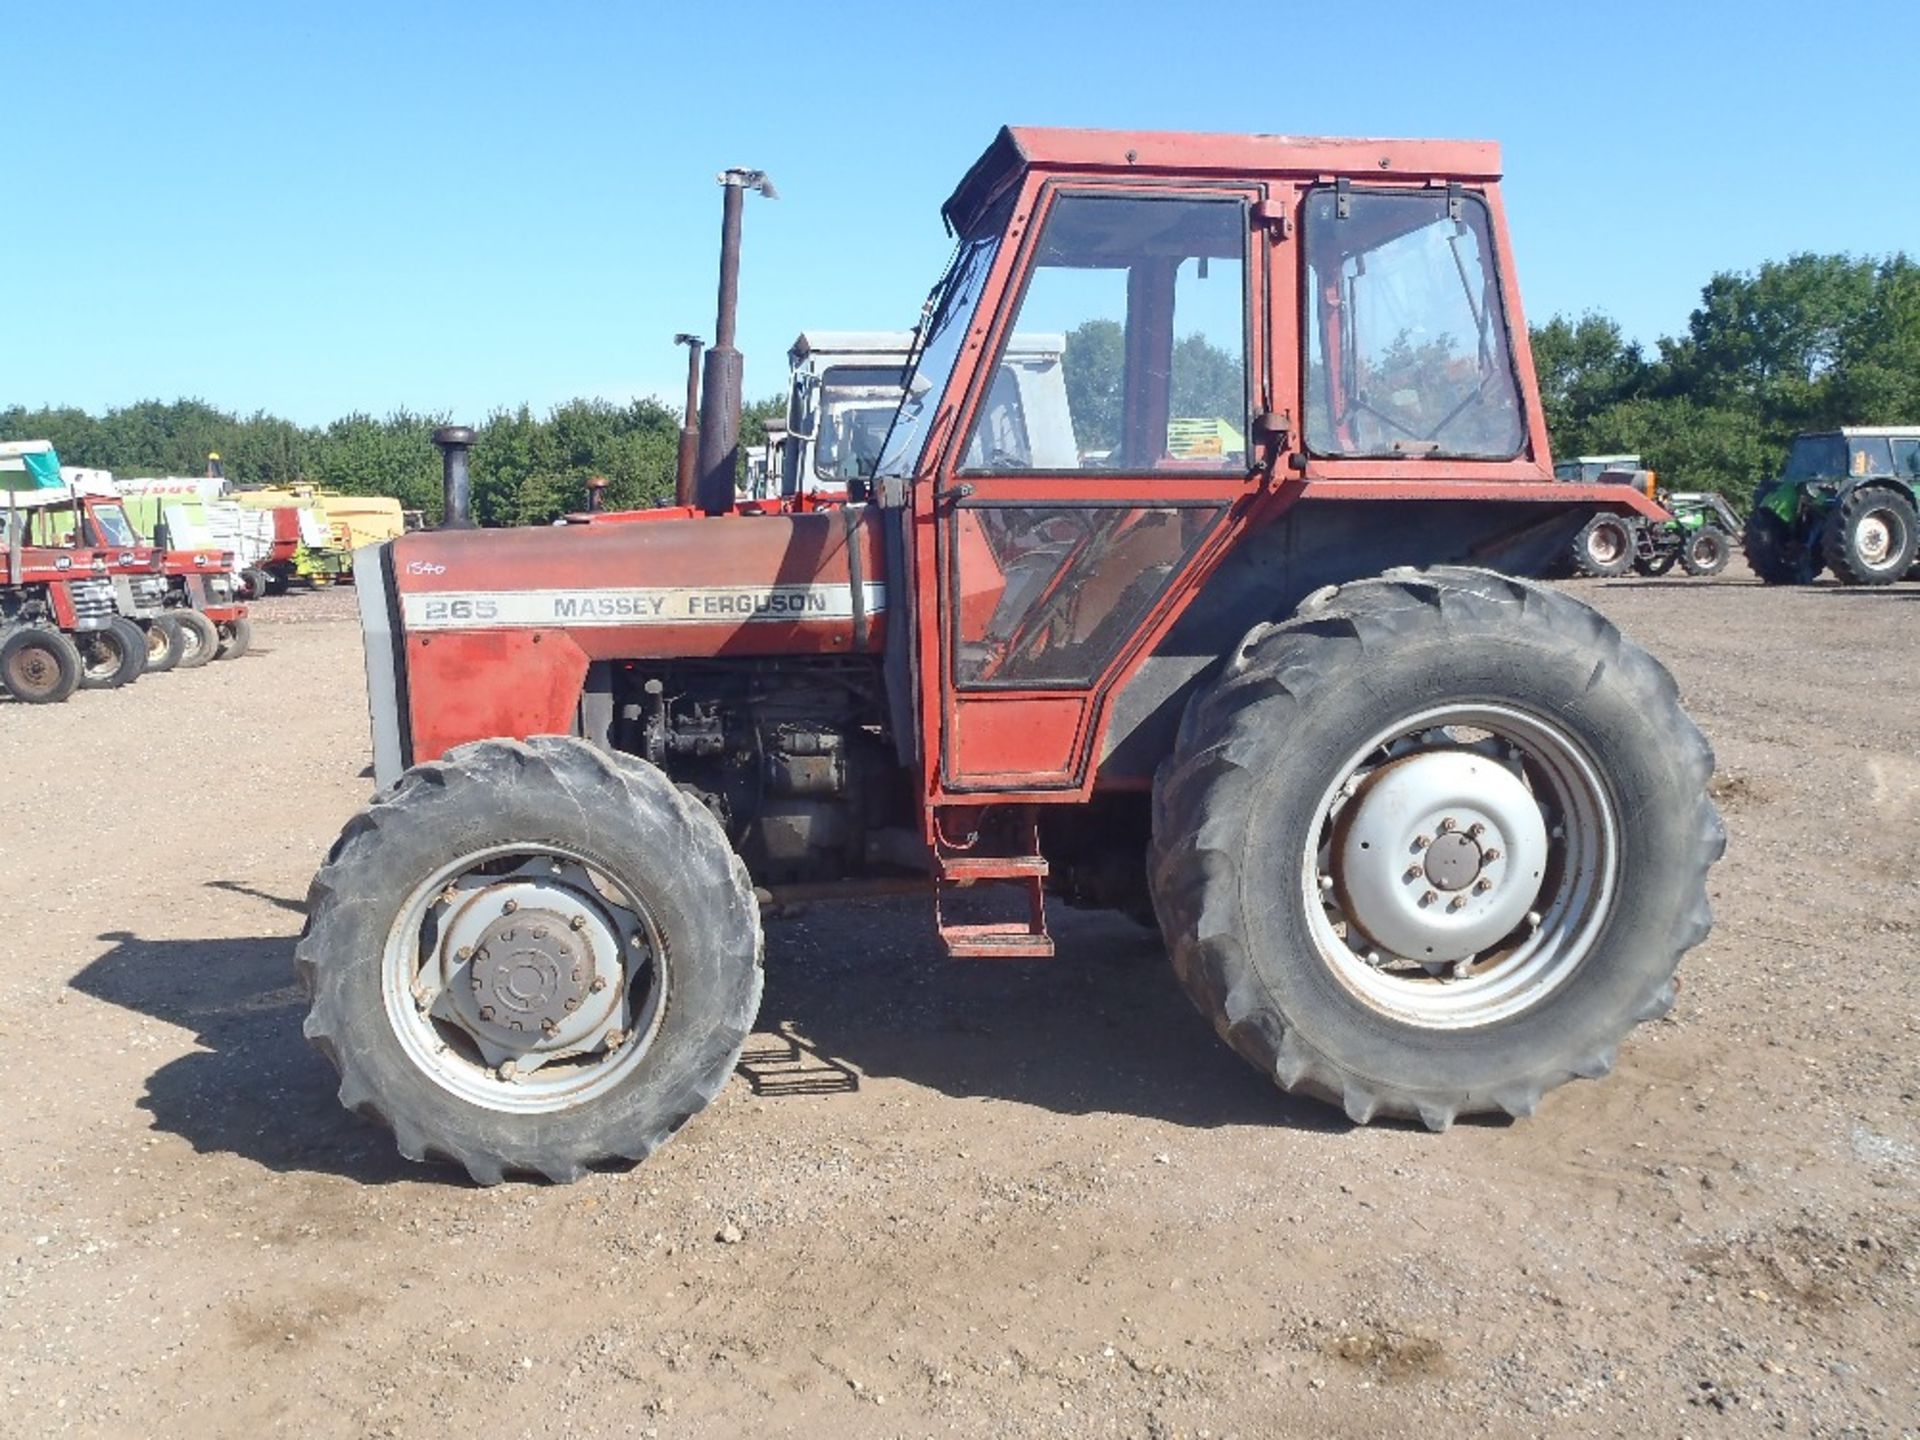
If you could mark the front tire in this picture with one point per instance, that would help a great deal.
(1604, 547)
(1773, 552)
(1706, 551)
(236, 638)
(38, 666)
(164, 644)
(1434, 846)
(1870, 536)
(531, 958)
(111, 657)
(199, 639)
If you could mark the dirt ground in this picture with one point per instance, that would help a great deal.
(959, 1199)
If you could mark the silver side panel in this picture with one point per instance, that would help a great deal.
(375, 587)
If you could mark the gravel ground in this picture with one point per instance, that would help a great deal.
(988, 1199)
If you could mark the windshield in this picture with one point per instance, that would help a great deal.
(115, 528)
(1817, 457)
(949, 311)
(1407, 335)
(857, 405)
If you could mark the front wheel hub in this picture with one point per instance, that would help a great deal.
(1440, 855)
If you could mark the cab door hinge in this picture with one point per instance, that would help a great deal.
(1271, 214)
(1453, 201)
(1342, 198)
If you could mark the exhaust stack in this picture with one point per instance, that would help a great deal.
(720, 398)
(686, 485)
(457, 488)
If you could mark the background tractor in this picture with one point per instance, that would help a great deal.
(1697, 530)
(1230, 650)
(58, 629)
(1846, 501)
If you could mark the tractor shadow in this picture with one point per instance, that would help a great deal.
(1103, 1027)
(852, 991)
(256, 1089)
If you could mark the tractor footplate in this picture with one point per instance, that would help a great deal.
(1019, 939)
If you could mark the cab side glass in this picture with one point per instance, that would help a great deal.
(1906, 458)
(1407, 351)
(1129, 346)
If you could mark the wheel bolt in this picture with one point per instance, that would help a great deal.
(1456, 902)
(573, 1002)
(599, 984)
(1414, 872)
(1326, 883)
(1490, 854)
(579, 922)
(509, 907)
(615, 1039)
(1448, 825)
(508, 1069)
(547, 1027)
(486, 1012)
(1420, 842)
(465, 952)
(1428, 898)
(1476, 830)
(1482, 885)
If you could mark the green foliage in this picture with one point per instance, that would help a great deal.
(1093, 368)
(1809, 343)
(526, 470)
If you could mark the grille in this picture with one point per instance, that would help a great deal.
(92, 599)
(220, 588)
(149, 590)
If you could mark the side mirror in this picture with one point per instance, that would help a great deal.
(803, 414)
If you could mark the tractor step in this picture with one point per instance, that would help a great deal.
(1025, 938)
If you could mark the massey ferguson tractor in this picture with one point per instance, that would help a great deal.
(58, 629)
(1423, 841)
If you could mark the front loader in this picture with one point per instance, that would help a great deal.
(1235, 652)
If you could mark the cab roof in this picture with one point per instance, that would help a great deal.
(1225, 157)
(1863, 432)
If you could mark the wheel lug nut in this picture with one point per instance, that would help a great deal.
(465, 952)
(579, 922)
(1420, 842)
(1482, 885)
(1456, 902)
(599, 984)
(1476, 830)
(615, 1039)
(1414, 872)
(1428, 898)
(547, 1027)
(486, 1012)
(509, 1069)
(509, 907)
(1449, 825)
(1490, 854)
(1326, 883)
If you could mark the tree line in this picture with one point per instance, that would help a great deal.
(1806, 343)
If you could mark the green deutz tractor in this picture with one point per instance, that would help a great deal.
(1847, 502)
(1698, 535)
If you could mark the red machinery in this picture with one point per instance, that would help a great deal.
(191, 587)
(58, 629)
(1140, 630)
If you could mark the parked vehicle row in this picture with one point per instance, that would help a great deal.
(89, 602)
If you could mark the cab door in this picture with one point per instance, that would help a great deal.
(1093, 461)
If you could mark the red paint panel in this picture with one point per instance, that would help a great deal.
(1005, 740)
(475, 686)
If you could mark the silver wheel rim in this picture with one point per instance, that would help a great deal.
(103, 657)
(190, 641)
(1873, 538)
(483, 958)
(1540, 804)
(1605, 544)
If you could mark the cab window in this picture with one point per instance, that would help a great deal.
(1129, 345)
(1407, 351)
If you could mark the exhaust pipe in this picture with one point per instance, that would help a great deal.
(720, 397)
(686, 482)
(456, 488)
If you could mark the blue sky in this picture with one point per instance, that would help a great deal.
(451, 207)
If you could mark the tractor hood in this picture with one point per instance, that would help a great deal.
(532, 609)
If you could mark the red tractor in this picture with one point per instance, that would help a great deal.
(1211, 628)
(58, 629)
(193, 588)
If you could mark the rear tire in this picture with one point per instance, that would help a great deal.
(1612, 834)
(111, 657)
(164, 644)
(236, 638)
(413, 1018)
(1604, 547)
(1773, 553)
(1870, 536)
(38, 666)
(258, 583)
(1706, 551)
(199, 639)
